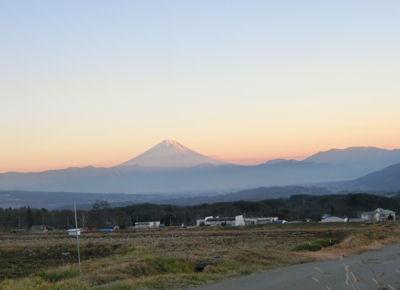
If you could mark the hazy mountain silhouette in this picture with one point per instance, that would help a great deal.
(204, 178)
(170, 167)
(367, 158)
(387, 179)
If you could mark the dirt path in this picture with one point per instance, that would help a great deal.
(378, 269)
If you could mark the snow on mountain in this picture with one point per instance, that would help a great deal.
(170, 153)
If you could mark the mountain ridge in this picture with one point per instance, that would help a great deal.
(385, 179)
(198, 176)
(380, 182)
(369, 157)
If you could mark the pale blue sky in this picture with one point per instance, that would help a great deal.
(95, 82)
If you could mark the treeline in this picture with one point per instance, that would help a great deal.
(102, 215)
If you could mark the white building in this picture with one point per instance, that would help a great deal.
(221, 221)
(147, 225)
(74, 232)
(333, 219)
(379, 215)
(260, 220)
(239, 221)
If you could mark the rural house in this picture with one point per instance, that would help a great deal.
(379, 215)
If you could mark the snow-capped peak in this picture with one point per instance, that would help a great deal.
(170, 153)
(171, 143)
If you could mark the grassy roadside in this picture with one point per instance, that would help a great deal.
(178, 258)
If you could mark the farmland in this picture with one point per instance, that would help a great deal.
(173, 258)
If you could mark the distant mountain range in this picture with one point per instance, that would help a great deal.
(385, 180)
(367, 158)
(201, 178)
(170, 167)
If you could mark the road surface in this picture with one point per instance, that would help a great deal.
(378, 269)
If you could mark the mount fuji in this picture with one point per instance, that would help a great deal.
(170, 167)
(170, 153)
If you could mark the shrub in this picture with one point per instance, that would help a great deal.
(155, 266)
(59, 274)
(315, 245)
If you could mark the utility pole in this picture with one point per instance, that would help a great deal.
(77, 240)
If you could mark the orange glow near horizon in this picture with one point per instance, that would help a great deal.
(43, 160)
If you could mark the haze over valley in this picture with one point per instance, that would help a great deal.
(170, 172)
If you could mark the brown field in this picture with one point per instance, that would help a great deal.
(174, 258)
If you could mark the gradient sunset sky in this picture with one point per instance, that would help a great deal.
(99, 82)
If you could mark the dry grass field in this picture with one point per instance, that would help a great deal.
(174, 258)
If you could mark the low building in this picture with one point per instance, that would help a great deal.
(74, 232)
(239, 221)
(333, 219)
(147, 225)
(221, 221)
(260, 220)
(379, 215)
(202, 222)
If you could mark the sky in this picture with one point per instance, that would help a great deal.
(98, 82)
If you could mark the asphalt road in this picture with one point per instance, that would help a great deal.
(379, 269)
